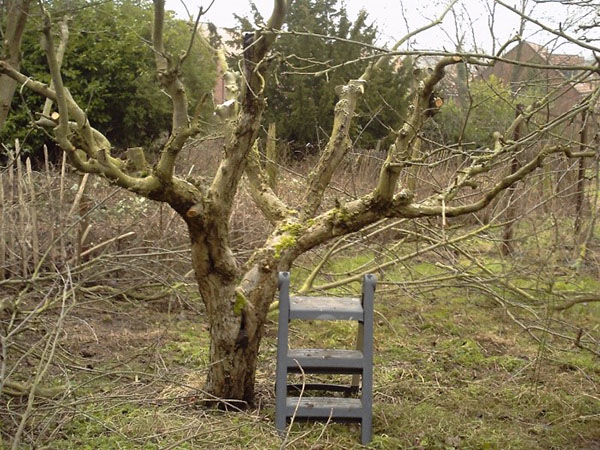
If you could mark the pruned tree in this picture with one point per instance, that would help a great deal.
(237, 295)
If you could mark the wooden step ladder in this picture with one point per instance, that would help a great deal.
(357, 362)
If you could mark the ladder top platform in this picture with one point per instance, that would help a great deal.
(326, 308)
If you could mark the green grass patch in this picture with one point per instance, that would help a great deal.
(189, 344)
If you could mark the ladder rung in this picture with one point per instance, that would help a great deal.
(326, 308)
(325, 361)
(324, 407)
(298, 387)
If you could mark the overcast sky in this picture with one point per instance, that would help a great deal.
(392, 23)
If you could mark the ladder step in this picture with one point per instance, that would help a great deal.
(299, 387)
(326, 308)
(324, 407)
(325, 361)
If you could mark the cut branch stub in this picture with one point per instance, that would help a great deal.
(137, 158)
(252, 104)
(195, 211)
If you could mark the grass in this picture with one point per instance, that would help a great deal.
(189, 347)
(450, 372)
(457, 372)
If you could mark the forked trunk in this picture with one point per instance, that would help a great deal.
(236, 318)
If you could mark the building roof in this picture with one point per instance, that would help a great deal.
(556, 59)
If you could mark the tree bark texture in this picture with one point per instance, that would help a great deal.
(510, 216)
(237, 302)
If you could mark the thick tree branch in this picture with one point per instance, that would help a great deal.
(275, 22)
(62, 130)
(168, 69)
(63, 39)
(578, 299)
(245, 129)
(337, 146)
(33, 85)
(347, 218)
(208, 220)
(269, 203)
(366, 210)
(96, 158)
(165, 168)
(16, 17)
(407, 142)
(162, 63)
(271, 168)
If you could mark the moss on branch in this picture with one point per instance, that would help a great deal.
(240, 302)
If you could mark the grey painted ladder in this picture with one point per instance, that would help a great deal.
(357, 362)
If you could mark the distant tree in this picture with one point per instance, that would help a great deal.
(489, 107)
(110, 71)
(302, 103)
(13, 17)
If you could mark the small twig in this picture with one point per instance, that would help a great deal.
(287, 434)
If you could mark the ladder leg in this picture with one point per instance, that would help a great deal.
(282, 349)
(367, 402)
(359, 346)
(366, 426)
(367, 380)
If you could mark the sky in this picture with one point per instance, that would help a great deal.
(393, 24)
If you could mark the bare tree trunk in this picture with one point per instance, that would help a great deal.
(580, 186)
(236, 308)
(510, 215)
(233, 365)
(511, 207)
(16, 16)
(235, 335)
